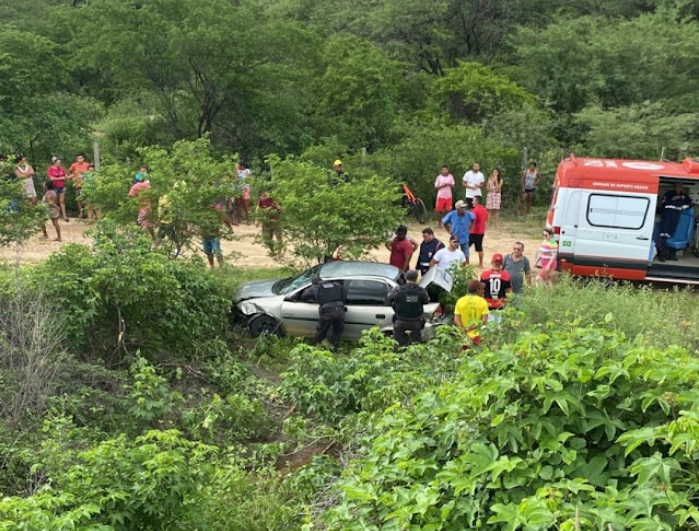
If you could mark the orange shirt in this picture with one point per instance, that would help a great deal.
(77, 169)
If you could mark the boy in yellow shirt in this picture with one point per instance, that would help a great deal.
(471, 311)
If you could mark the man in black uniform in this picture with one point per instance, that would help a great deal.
(331, 308)
(408, 301)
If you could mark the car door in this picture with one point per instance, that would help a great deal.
(298, 317)
(366, 306)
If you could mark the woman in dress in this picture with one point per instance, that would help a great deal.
(547, 258)
(58, 175)
(25, 173)
(494, 198)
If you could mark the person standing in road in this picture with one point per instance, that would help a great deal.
(408, 303)
(518, 267)
(331, 309)
(458, 223)
(402, 248)
(444, 184)
(494, 198)
(478, 230)
(473, 181)
(77, 169)
(530, 180)
(429, 246)
(57, 175)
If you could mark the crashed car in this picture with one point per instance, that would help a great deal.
(275, 305)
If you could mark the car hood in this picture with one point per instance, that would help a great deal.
(255, 289)
(438, 277)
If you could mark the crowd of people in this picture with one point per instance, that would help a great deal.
(465, 223)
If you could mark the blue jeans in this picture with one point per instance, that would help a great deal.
(464, 248)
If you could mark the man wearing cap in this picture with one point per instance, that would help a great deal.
(497, 284)
(458, 223)
(408, 303)
(337, 175)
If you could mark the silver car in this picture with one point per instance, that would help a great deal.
(275, 305)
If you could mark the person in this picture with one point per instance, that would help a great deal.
(268, 213)
(444, 183)
(471, 312)
(144, 211)
(212, 248)
(518, 267)
(338, 175)
(473, 181)
(141, 175)
(429, 246)
(494, 197)
(88, 192)
(242, 198)
(449, 255)
(458, 222)
(54, 211)
(497, 285)
(408, 302)
(478, 229)
(331, 309)
(25, 173)
(77, 169)
(530, 180)
(547, 257)
(402, 248)
(57, 174)
(674, 202)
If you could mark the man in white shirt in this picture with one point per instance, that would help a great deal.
(473, 181)
(448, 255)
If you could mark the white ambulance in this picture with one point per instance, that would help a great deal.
(605, 214)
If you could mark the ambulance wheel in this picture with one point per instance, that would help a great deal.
(264, 324)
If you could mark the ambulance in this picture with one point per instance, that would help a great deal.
(605, 214)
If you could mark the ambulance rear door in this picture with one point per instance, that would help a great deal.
(615, 232)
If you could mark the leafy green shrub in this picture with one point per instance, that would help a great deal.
(373, 377)
(567, 428)
(121, 296)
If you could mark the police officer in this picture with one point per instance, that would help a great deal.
(331, 308)
(408, 301)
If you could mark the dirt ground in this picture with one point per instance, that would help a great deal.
(246, 251)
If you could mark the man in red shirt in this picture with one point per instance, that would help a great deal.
(402, 249)
(478, 228)
(76, 170)
(497, 284)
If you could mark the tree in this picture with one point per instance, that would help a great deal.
(321, 220)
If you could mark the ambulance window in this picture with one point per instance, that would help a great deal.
(617, 211)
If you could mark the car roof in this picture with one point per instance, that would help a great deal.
(343, 269)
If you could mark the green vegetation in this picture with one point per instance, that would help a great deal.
(127, 399)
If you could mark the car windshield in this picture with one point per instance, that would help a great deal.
(287, 285)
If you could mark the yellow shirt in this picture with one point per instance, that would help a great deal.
(471, 309)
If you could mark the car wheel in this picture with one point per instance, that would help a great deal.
(264, 324)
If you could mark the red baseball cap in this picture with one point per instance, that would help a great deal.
(497, 258)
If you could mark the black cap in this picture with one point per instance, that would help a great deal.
(411, 275)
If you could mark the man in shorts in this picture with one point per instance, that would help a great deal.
(458, 223)
(444, 183)
(76, 171)
(212, 248)
(478, 229)
(473, 181)
(471, 312)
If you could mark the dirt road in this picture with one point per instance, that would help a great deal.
(246, 251)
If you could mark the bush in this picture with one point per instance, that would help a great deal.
(567, 428)
(121, 296)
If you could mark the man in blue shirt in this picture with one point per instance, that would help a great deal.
(428, 247)
(458, 222)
